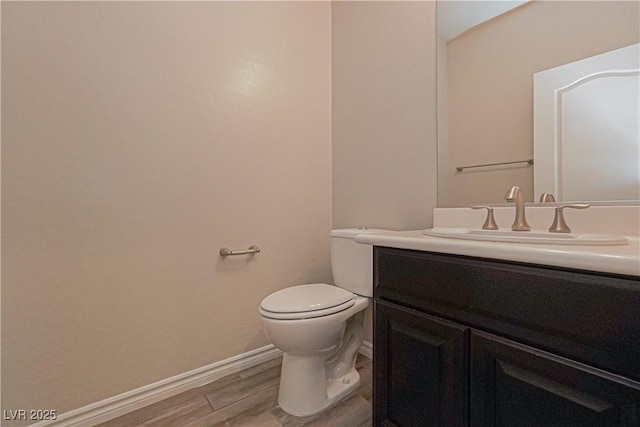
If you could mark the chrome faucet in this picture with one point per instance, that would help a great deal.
(515, 194)
(547, 198)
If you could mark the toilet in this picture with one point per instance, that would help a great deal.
(318, 327)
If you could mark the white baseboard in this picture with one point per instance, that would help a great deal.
(124, 403)
(121, 404)
(367, 349)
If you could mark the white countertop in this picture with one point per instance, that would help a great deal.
(620, 259)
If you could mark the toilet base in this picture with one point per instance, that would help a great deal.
(339, 388)
(310, 383)
(319, 357)
(311, 399)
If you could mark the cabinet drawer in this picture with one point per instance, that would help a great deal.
(592, 318)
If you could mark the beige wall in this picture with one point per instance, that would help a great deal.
(490, 73)
(139, 139)
(383, 114)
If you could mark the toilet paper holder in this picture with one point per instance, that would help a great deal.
(253, 249)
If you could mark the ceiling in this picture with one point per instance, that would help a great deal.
(456, 17)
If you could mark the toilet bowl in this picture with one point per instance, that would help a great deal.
(319, 328)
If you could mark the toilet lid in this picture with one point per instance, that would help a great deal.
(305, 298)
(306, 314)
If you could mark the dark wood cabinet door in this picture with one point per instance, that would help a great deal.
(420, 369)
(516, 385)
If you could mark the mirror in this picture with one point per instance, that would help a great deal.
(488, 54)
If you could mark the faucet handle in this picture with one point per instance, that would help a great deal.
(559, 224)
(547, 197)
(490, 222)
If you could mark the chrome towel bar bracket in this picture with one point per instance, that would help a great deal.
(253, 249)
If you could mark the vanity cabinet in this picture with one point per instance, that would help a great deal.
(421, 374)
(462, 341)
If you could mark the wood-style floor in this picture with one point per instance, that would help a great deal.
(250, 398)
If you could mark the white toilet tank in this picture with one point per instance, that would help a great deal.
(351, 262)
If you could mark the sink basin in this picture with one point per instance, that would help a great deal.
(534, 236)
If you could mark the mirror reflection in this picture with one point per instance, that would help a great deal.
(488, 55)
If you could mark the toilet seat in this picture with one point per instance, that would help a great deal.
(306, 301)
